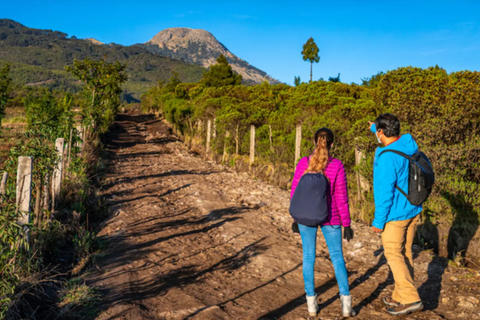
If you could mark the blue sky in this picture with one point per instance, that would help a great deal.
(356, 38)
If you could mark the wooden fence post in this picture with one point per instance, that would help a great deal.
(24, 189)
(237, 140)
(362, 183)
(3, 185)
(57, 172)
(214, 133)
(298, 142)
(224, 156)
(252, 144)
(209, 133)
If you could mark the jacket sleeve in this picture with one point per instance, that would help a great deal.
(341, 196)
(384, 180)
(299, 170)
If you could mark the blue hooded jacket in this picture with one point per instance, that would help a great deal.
(390, 169)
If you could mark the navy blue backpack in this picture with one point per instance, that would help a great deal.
(309, 204)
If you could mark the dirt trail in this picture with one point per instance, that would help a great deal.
(190, 239)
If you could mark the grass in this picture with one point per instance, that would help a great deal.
(11, 130)
(17, 119)
(78, 300)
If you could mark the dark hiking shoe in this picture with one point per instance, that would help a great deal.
(402, 309)
(389, 302)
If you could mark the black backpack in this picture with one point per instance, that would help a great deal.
(420, 177)
(309, 204)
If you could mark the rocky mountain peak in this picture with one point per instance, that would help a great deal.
(94, 41)
(201, 47)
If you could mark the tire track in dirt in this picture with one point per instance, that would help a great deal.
(190, 239)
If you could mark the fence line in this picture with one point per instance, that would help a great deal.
(23, 191)
(362, 183)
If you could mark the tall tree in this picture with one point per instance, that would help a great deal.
(221, 74)
(5, 81)
(310, 53)
(297, 81)
(102, 82)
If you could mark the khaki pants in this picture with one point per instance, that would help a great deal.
(397, 239)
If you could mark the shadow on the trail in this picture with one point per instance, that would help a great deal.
(430, 290)
(123, 251)
(153, 189)
(370, 272)
(296, 302)
(132, 139)
(126, 132)
(133, 292)
(120, 137)
(157, 218)
(300, 300)
(158, 175)
(221, 304)
(148, 195)
(162, 140)
(115, 156)
(137, 118)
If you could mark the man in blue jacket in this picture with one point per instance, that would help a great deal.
(395, 217)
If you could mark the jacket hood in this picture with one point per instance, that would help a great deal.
(405, 144)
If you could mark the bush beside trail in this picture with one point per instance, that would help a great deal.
(38, 274)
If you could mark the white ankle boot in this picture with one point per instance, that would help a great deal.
(347, 310)
(312, 305)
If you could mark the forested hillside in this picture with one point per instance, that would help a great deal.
(39, 57)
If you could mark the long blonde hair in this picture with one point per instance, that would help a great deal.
(319, 160)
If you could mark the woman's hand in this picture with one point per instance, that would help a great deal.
(295, 227)
(347, 233)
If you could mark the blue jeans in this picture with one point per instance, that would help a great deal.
(333, 238)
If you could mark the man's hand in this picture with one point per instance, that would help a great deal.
(376, 230)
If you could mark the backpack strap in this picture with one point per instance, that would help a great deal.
(400, 154)
(397, 152)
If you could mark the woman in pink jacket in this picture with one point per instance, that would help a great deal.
(339, 215)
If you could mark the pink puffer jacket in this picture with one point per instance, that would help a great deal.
(338, 197)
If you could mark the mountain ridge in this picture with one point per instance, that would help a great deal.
(40, 56)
